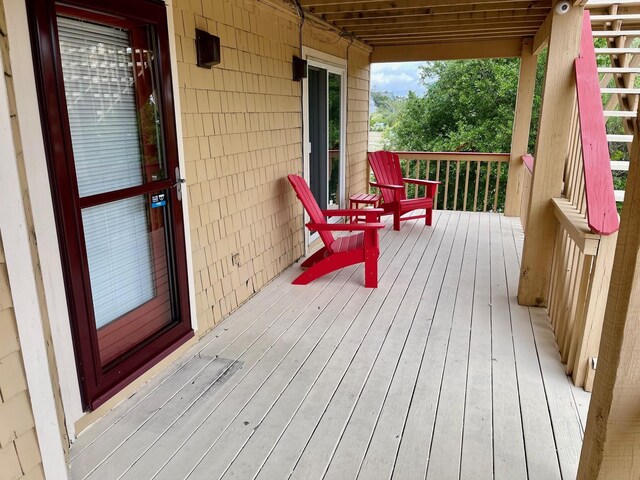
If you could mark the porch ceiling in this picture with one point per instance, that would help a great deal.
(399, 29)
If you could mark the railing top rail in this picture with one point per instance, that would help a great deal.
(466, 156)
(602, 214)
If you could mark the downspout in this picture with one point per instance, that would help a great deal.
(302, 126)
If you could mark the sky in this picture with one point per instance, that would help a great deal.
(396, 78)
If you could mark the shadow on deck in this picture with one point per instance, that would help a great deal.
(437, 374)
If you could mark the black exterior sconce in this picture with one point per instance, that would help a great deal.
(299, 68)
(207, 49)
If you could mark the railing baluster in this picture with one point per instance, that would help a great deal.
(455, 192)
(579, 322)
(435, 200)
(574, 289)
(486, 186)
(475, 193)
(497, 192)
(553, 283)
(445, 201)
(418, 175)
(466, 187)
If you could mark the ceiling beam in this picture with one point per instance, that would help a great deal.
(448, 51)
(468, 5)
(541, 39)
(483, 18)
(350, 4)
(447, 23)
(440, 41)
(451, 12)
(495, 33)
(448, 28)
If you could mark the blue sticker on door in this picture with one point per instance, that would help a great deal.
(158, 200)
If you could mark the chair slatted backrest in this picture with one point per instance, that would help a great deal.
(386, 168)
(311, 206)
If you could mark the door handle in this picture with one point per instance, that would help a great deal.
(178, 185)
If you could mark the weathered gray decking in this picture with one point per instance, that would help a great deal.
(437, 374)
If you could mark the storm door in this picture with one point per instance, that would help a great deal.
(105, 88)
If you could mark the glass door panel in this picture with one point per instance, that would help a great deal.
(115, 135)
(325, 133)
(335, 137)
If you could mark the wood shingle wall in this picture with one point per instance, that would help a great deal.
(19, 453)
(241, 126)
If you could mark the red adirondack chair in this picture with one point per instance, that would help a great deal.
(386, 168)
(343, 251)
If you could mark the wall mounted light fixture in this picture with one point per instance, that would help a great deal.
(207, 49)
(299, 68)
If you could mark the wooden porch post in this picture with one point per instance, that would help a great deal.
(558, 99)
(611, 447)
(521, 127)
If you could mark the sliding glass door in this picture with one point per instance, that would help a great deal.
(325, 133)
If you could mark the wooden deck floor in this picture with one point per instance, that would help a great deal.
(437, 374)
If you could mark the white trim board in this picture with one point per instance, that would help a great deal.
(42, 207)
(21, 269)
(338, 66)
(43, 217)
(183, 168)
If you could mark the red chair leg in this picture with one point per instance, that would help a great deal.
(371, 254)
(396, 217)
(428, 218)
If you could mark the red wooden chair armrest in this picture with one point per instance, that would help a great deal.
(382, 185)
(336, 227)
(351, 212)
(430, 185)
(421, 182)
(397, 189)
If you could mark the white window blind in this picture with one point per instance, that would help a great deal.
(103, 117)
(119, 254)
(98, 76)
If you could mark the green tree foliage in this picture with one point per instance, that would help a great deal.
(469, 107)
(387, 107)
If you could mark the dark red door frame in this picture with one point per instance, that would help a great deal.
(100, 382)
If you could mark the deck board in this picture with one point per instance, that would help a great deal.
(437, 374)
(508, 437)
(536, 424)
(477, 439)
(415, 445)
(446, 449)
